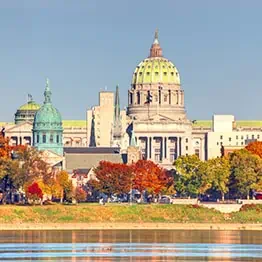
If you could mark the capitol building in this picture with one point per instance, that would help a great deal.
(154, 125)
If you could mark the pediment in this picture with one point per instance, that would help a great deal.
(159, 117)
(51, 158)
(26, 126)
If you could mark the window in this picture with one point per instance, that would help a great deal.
(258, 136)
(140, 73)
(237, 143)
(157, 154)
(242, 143)
(37, 139)
(51, 138)
(242, 137)
(138, 98)
(186, 140)
(165, 73)
(186, 147)
(253, 136)
(148, 73)
(172, 73)
(217, 143)
(172, 154)
(247, 136)
(156, 73)
(229, 139)
(176, 73)
(165, 98)
(44, 138)
(221, 137)
(197, 152)
(57, 139)
(236, 137)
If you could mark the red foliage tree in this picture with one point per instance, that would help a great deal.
(113, 178)
(151, 177)
(34, 192)
(80, 194)
(5, 149)
(255, 148)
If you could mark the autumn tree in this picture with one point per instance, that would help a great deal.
(150, 177)
(246, 172)
(80, 194)
(112, 178)
(34, 192)
(255, 148)
(31, 167)
(218, 172)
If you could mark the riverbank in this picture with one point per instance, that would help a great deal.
(130, 226)
(125, 216)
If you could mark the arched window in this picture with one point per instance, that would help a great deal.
(131, 98)
(138, 98)
(44, 138)
(57, 139)
(51, 138)
(169, 96)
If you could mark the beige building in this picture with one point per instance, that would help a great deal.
(106, 123)
(226, 134)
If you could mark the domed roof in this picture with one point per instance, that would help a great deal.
(156, 69)
(31, 105)
(47, 117)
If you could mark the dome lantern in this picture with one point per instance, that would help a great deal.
(156, 50)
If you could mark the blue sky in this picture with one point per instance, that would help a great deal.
(84, 45)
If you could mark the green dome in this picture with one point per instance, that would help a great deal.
(47, 126)
(31, 105)
(48, 118)
(155, 70)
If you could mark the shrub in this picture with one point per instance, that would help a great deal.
(252, 206)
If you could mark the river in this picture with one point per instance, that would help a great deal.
(131, 245)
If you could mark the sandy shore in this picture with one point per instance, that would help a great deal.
(129, 226)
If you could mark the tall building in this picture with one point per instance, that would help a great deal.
(47, 126)
(106, 123)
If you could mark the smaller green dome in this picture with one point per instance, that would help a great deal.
(31, 105)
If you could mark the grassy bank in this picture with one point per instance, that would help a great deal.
(114, 213)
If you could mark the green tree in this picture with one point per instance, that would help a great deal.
(246, 172)
(190, 177)
(218, 171)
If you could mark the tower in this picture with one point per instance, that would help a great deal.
(47, 126)
(117, 132)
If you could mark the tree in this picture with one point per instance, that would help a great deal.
(80, 194)
(34, 192)
(218, 171)
(246, 172)
(191, 177)
(31, 167)
(150, 177)
(112, 178)
(255, 148)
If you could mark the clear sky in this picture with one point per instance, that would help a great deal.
(85, 45)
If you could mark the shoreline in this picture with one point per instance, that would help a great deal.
(130, 226)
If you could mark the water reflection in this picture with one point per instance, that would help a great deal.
(131, 245)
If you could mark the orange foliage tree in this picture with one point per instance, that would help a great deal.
(113, 178)
(150, 177)
(255, 148)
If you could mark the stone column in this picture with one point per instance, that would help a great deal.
(150, 147)
(162, 148)
(147, 148)
(177, 146)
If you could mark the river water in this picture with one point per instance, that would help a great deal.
(131, 245)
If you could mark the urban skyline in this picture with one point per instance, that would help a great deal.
(75, 46)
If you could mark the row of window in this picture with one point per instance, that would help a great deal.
(156, 73)
(242, 137)
(44, 139)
